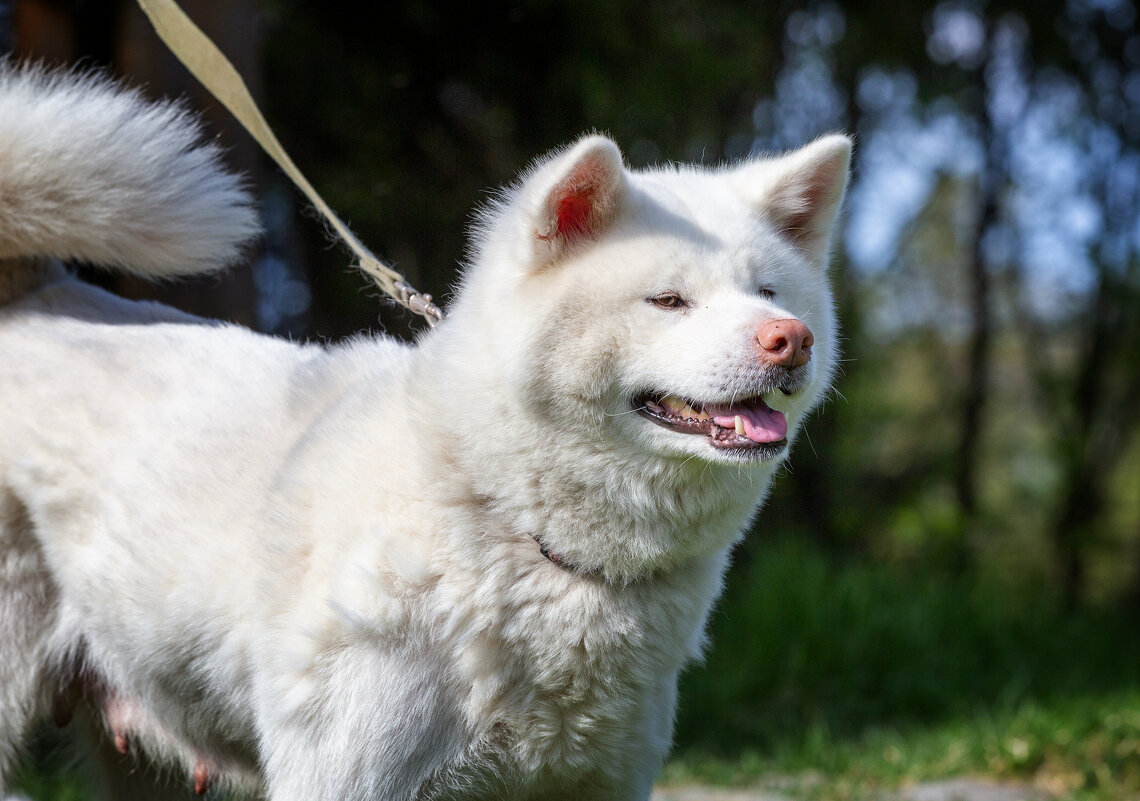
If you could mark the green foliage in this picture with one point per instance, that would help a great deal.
(51, 772)
(836, 678)
(53, 785)
(805, 643)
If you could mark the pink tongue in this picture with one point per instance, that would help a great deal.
(761, 423)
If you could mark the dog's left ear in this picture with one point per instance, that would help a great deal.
(800, 193)
(576, 197)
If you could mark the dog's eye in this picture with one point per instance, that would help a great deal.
(668, 300)
(766, 292)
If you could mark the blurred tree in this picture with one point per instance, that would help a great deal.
(434, 105)
(1034, 105)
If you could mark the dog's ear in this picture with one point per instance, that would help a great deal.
(800, 193)
(576, 196)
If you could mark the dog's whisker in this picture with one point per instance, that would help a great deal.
(628, 411)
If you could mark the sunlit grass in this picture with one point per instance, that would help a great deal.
(1085, 749)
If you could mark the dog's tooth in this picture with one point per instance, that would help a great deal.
(697, 414)
(740, 427)
(681, 408)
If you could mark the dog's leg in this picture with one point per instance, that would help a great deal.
(376, 728)
(645, 754)
(27, 614)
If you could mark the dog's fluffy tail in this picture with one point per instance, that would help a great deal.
(93, 172)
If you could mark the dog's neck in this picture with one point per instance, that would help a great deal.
(603, 508)
(594, 514)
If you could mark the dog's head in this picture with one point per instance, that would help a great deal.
(677, 312)
(636, 350)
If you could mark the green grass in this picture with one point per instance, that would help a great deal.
(1084, 749)
(862, 677)
(53, 785)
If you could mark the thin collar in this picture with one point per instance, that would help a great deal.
(553, 557)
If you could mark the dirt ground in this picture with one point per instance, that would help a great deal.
(964, 789)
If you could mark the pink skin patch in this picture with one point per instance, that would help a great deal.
(122, 715)
(201, 779)
(574, 213)
(579, 201)
(118, 716)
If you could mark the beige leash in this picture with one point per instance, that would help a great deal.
(195, 50)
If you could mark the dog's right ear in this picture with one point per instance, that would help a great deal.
(800, 192)
(575, 197)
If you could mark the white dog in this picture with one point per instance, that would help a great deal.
(472, 568)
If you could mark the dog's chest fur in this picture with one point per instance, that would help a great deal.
(554, 673)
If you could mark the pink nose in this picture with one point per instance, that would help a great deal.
(786, 343)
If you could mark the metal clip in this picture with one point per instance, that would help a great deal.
(418, 302)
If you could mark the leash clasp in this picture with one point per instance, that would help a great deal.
(419, 302)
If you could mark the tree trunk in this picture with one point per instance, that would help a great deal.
(973, 400)
(978, 355)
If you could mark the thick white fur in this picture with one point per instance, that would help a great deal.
(140, 193)
(313, 572)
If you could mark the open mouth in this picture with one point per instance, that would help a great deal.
(749, 424)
